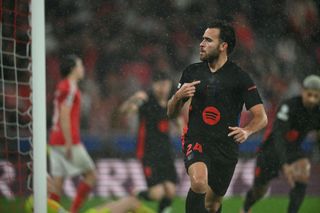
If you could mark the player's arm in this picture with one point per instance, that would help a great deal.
(253, 102)
(280, 128)
(259, 120)
(177, 101)
(133, 103)
(318, 138)
(65, 124)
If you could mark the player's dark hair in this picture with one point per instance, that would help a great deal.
(160, 76)
(227, 33)
(67, 64)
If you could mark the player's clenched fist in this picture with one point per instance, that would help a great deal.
(187, 90)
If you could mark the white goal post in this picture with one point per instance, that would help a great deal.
(39, 105)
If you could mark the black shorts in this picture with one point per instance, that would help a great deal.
(220, 172)
(157, 171)
(268, 166)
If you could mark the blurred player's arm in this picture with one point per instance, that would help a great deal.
(177, 101)
(281, 127)
(133, 103)
(318, 138)
(65, 124)
(259, 120)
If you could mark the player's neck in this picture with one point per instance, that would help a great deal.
(218, 63)
(73, 79)
(162, 101)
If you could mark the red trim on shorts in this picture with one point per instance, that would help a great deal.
(141, 139)
(183, 136)
(257, 172)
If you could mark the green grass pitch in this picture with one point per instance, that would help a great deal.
(230, 205)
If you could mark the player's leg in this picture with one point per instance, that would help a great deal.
(57, 185)
(254, 195)
(155, 191)
(82, 160)
(166, 201)
(169, 179)
(301, 175)
(196, 165)
(219, 178)
(58, 172)
(213, 201)
(198, 174)
(123, 205)
(266, 169)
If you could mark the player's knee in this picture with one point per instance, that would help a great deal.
(134, 202)
(90, 177)
(156, 193)
(199, 184)
(170, 190)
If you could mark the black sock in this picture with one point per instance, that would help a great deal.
(144, 195)
(220, 209)
(195, 202)
(164, 203)
(296, 197)
(250, 200)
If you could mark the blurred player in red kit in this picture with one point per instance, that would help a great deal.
(67, 155)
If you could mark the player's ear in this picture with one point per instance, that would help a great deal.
(223, 46)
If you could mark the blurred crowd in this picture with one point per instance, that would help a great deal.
(122, 42)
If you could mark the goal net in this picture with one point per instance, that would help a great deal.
(16, 117)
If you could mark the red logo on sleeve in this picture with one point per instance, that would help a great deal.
(211, 115)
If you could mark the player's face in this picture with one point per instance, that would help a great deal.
(311, 98)
(211, 45)
(162, 88)
(79, 69)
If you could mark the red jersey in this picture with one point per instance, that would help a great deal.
(67, 93)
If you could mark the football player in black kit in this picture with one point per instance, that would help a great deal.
(215, 91)
(154, 148)
(281, 150)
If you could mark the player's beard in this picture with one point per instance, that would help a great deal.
(211, 56)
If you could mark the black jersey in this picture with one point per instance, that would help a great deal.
(217, 104)
(292, 124)
(153, 132)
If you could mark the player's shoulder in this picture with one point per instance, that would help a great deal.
(291, 104)
(295, 101)
(63, 85)
(195, 67)
(237, 70)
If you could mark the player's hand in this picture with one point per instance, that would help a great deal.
(140, 97)
(187, 90)
(69, 152)
(288, 174)
(239, 134)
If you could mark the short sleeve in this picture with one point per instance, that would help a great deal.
(66, 94)
(143, 111)
(283, 113)
(185, 78)
(250, 94)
